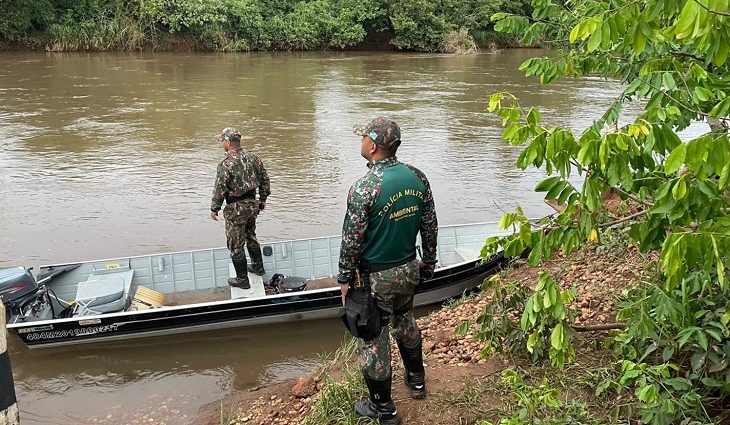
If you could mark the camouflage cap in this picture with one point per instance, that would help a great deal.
(230, 134)
(383, 131)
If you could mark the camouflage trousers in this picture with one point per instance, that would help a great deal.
(241, 227)
(393, 290)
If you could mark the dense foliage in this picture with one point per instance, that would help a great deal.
(671, 55)
(240, 25)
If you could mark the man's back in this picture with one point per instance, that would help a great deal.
(395, 215)
(240, 172)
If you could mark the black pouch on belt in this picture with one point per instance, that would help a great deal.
(361, 314)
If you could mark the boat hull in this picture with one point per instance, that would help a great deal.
(447, 283)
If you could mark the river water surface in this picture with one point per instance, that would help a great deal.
(114, 155)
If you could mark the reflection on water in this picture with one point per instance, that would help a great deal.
(105, 155)
(92, 383)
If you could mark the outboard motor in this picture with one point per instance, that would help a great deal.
(17, 287)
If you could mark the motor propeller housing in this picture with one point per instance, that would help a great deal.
(17, 285)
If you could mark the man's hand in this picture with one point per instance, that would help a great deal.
(344, 288)
(214, 215)
(262, 206)
(425, 270)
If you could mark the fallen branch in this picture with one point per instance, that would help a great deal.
(604, 327)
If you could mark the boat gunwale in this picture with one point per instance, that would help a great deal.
(223, 247)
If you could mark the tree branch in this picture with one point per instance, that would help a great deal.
(687, 107)
(714, 12)
(623, 219)
(634, 198)
(625, 193)
(688, 55)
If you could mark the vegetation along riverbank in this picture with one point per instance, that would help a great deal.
(247, 25)
(622, 316)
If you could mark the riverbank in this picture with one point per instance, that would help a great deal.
(255, 25)
(455, 43)
(464, 385)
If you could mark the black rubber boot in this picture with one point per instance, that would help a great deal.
(257, 261)
(380, 405)
(414, 375)
(241, 279)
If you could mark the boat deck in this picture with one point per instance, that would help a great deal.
(221, 293)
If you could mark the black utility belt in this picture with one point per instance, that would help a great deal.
(233, 199)
(379, 267)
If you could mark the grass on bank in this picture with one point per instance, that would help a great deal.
(337, 397)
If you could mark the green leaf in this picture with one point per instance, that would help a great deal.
(719, 264)
(686, 21)
(703, 94)
(575, 33)
(495, 101)
(680, 189)
(639, 41)
(533, 117)
(546, 301)
(678, 384)
(565, 194)
(556, 337)
(595, 39)
(697, 361)
(547, 184)
(721, 54)
(724, 176)
(606, 35)
(663, 190)
(684, 336)
(532, 341)
(675, 159)
(647, 393)
(701, 339)
(668, 81)
(463, 328)
(714, 333)
(556, 190)
(505, 221)
(721, 109)
(713, 383)
(707, 189)
(663, 207)
(536, 254)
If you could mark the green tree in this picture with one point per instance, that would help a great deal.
(18, 18)
(672, 55)
(418, 25)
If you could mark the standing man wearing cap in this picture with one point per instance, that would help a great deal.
(386, 209)
(237, 178)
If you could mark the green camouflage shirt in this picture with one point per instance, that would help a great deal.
(386, 209)
(239, 173)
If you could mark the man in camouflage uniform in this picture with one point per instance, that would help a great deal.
(237, 178)
(386, 209)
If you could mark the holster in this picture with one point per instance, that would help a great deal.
(361, 314)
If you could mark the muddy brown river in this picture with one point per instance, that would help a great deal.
(105, 155)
